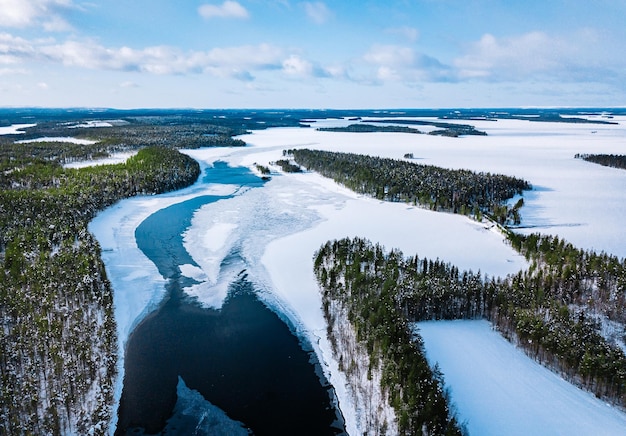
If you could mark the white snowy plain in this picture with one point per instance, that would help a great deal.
(68, 139)
(15, 129)
(114, 158)
(277, 228)
(516, 396)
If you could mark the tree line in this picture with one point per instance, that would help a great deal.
(457, 191)
(58, 342)
(369, 128)
(360, 283)
(552, 312)
(607, 160)
(445, 129)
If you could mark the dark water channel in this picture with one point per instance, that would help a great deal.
(242, 358)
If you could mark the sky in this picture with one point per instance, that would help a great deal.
(312, 54)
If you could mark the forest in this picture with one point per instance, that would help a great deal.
(369, 128)
(557, 311)
(457, 191)
(445, 129)
(553, 311)
(360, 283)
(55, 297)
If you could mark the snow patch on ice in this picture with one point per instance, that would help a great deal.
(192, 271)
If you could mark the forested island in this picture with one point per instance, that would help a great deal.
(445, 129)
(607, 160)
(369, 128)
(457, 191)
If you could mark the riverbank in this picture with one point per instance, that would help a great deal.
(138, 286)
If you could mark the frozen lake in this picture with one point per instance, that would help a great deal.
(498, 390)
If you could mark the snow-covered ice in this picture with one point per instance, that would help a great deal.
(114, 158)
(274, 231)
(14, 129)
(498, 390)
(58, 139)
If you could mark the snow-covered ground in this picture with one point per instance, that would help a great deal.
(58, 139)
(14, 129)
(276, 229)
(97, 123)
(498, 390)
(114, 158)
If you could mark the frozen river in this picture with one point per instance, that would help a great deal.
(275, 229)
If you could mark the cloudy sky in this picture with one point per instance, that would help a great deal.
(312, 54)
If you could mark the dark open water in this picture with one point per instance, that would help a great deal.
(243, 358)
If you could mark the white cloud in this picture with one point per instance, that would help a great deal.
(317, 12)
(14, 49)
(228, 9)
(387, 73)
(235, 62)
(27, 13)
(296, 66)
(43, 86)
(538, 55)
(400, 63)
(390, 55)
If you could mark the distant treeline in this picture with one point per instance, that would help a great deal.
(608, 160)
(135, 134)
(447, 129)
(545, 310)
(58, 152)
(369, 128)
(58, 345)
(457, 191)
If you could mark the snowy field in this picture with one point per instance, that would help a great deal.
(14, 129)
(516, 396)
(68, 139)
(114, 158)
(276, 229)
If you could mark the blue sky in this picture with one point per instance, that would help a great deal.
(312, 54)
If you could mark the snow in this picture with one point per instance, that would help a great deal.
(114, 158)
(92, 123)
(272, 232)
(14, 129)
(58, 139)
(498, 390)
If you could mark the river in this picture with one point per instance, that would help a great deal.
(241, 358)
